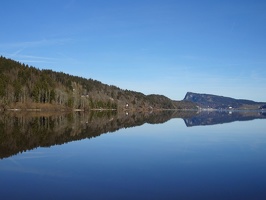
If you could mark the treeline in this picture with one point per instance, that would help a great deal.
(23, 85)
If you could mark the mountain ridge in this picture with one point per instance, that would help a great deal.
(211, 101)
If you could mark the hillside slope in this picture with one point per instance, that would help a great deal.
(26, 87)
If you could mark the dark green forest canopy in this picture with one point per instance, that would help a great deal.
(23, 86)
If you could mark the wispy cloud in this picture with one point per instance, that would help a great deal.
(31, 59)
(22, 51)
(36, 43)
(17, 52)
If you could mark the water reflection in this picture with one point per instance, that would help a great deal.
(220, 117)
(20, 132)
(24, 131)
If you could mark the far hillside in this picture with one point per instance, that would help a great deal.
(210, 101)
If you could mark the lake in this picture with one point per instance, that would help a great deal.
(106, 155)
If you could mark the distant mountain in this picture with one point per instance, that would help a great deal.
(209, 101)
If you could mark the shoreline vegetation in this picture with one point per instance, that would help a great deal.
(47, 107)
(53, 108)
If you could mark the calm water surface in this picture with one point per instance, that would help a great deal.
(151, 161)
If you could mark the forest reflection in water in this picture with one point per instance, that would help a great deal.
(20, 131)
(182, 158)
(24, 131)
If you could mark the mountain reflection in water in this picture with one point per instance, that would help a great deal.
(220, 117)
(20, 132)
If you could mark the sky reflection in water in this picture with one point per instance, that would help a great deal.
(162, 161)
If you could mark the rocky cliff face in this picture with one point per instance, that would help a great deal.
(220, 102)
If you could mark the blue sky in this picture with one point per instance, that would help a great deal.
(164, 47)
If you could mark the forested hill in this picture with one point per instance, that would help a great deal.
(26, 87)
